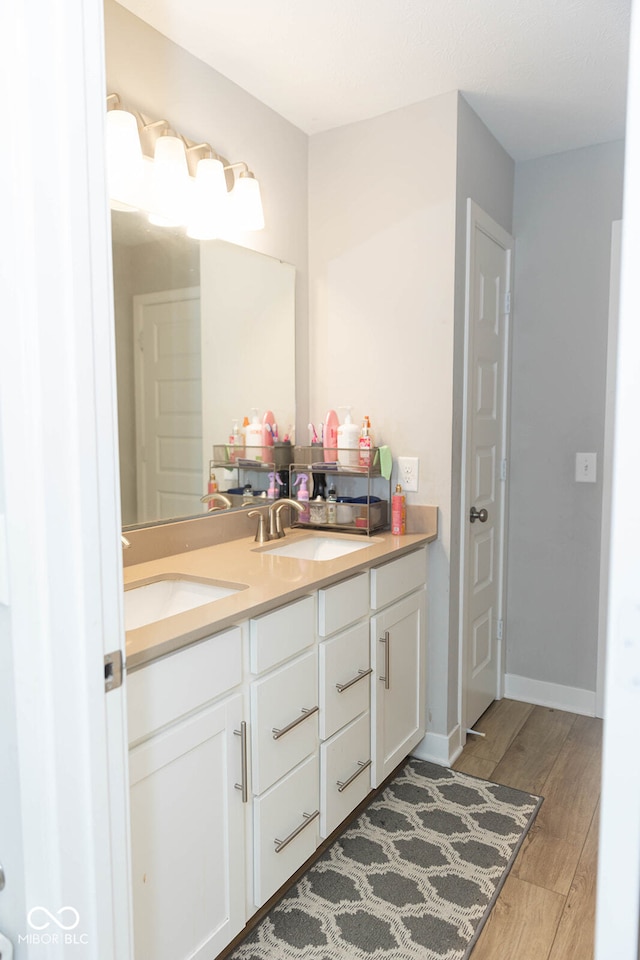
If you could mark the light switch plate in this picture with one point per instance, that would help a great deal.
(586, 467)
(408, 473)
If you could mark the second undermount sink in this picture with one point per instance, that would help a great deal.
(168, 595)
(318, 548)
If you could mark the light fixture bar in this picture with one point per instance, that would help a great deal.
(232, 202)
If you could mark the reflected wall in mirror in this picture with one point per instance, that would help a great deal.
(204, 333)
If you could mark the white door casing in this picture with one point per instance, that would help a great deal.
(607, 458)
(58, 436)
(170, 473)
(484, 471)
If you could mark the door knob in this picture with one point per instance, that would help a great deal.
(480, 515)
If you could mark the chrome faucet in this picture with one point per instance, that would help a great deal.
(275, 522)
(218, 497)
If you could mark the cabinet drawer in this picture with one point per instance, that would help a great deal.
(397, 578)
(342, 604)
(277, 815)
(169, 688)
(281, 634)
(277, 702)
(344, 756)
(342, 659)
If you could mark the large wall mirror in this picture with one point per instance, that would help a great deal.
(205, 333)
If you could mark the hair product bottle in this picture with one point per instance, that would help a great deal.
(398, 512)
(365, 443)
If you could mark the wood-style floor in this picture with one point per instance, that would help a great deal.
(546, 908)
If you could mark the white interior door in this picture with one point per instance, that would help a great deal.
(489, 254)
(168, 404)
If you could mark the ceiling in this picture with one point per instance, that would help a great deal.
(544, 75)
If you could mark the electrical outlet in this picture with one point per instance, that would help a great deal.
(408, 473)
(586, 467)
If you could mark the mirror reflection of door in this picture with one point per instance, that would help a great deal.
(168, 397)
(247, 345)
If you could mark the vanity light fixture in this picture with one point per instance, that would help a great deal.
(209, 206)
(170, 183)
(124, 156)
(152, 167)
(246, 201)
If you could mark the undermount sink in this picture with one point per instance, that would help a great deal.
(169, 595)
(318, 548)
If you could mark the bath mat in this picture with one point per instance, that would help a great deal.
(413, 878)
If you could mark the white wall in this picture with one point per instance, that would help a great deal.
(384, 267)
(381, 273)
(564, 206)
(163, 81)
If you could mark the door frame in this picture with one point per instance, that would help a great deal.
(477, 218)
(607, 458)
(61, 492)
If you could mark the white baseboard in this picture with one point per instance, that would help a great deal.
(555, 695)
(438, 748)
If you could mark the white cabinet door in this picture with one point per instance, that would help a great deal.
(187, 836)
(398, 648)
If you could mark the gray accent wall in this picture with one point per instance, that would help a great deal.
(563, 210)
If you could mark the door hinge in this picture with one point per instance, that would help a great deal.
(113, 670)
(507, 302)
(499, 627)
(503, 470)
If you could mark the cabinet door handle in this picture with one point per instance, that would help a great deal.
(343, 784)
(242, 786)
(308, 818)
(387, 657)
(341, 687)
(294, 723)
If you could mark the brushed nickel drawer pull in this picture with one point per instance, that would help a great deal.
(341, 687)
(308, 818)
(242, 786)
(343, 784)
(294, 723)
(387, 657)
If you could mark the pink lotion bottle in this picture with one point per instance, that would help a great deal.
(398, 512)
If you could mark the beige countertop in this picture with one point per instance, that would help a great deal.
(267, 582)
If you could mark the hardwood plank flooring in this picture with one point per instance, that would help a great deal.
(546, 909)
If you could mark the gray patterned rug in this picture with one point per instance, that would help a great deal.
(413, 878)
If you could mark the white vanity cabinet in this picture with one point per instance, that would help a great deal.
(345, 720)
(398, 656)
(284, 744)
(250, 746)
(187, 811)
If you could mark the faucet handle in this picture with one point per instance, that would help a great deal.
(261, 534)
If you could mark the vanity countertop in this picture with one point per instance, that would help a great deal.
(270, 581)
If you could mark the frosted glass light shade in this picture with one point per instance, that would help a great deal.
(124, 160)
(169, 183)
(247, 203)
(209, 201)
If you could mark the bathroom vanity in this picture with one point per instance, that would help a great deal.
(259, 721)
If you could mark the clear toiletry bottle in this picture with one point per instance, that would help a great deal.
(234, 442)
(302, 496)
(332, 505)
(348, 436)
(318, 510)
(365, 444)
